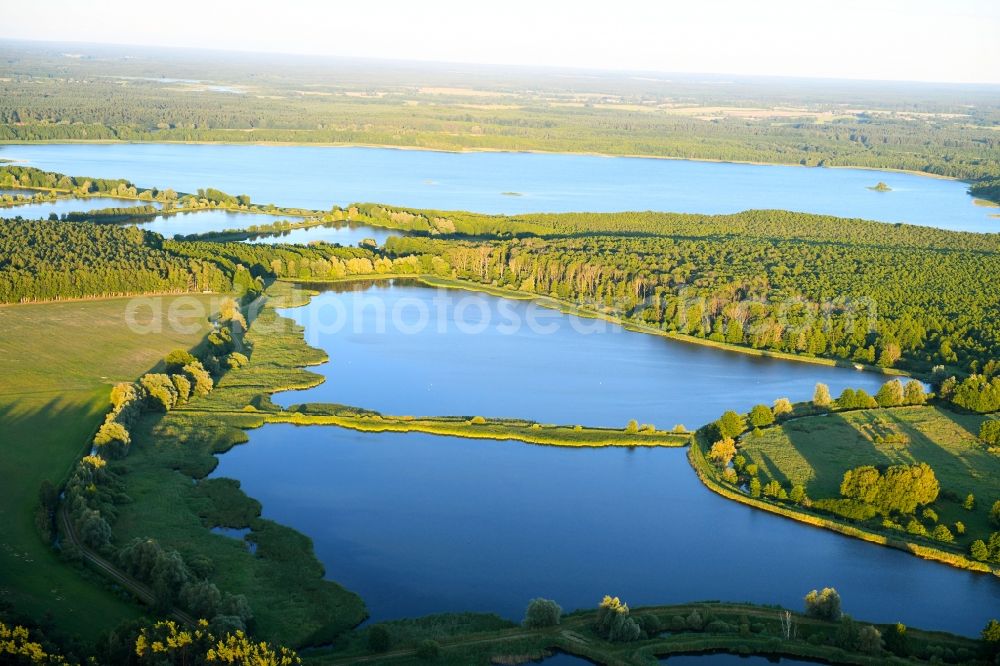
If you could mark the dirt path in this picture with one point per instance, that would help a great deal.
(141, 591)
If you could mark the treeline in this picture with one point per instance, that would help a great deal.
(902, 307)
(110, 215)
(311, 262)
(986, 189)
(760, 224)
(45, 260)
(977, 393)
(869, 293)
(22, 176)
(94, 489)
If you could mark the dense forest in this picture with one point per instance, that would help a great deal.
(897, 307)
(44, 260)
(942, 130)
(761, 224)
(892, 295)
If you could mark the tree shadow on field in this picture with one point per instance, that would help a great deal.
(831, 445)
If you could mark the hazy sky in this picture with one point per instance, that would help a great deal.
(921, 40)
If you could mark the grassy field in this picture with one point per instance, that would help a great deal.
(173, 502)
(57, 363)
(816, 451)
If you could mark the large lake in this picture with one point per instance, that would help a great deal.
(319, 177)
(419, 524)
(401, 348)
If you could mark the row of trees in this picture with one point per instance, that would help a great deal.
(186, 376)
(977, 393)
(899, 489)
(175, 582)
(110, 215)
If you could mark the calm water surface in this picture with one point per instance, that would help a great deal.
(420, 524)
(318, 177)
(344, 234)
(202, 221)
(405, 349)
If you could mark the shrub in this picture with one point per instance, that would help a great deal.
(781, 406)
(869, 640)
(824, 605)
(650, 624)
(477, 420)
(760, 416)
(177, 359)
(160, 391)
(995, 513)
(730, 425)
(916, 527)
(891, 394)
(798, 494)
(183, 386)
(978, 551)
(236, 360)
(542, 613)
(774, 490)
(200, 378)
(846, 508)
(821, 397)
(378, 639)
(722, 451)
(942, 533)
(428, 649)
(989, 432)
(695, 621)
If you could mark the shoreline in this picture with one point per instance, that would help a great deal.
(571, 309)
(462, 151)
(922, 551)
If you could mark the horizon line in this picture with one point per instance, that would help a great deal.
(538, 67)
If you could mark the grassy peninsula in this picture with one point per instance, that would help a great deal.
(803, 461)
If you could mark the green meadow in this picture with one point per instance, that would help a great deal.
(815, 452)
(57, 364)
